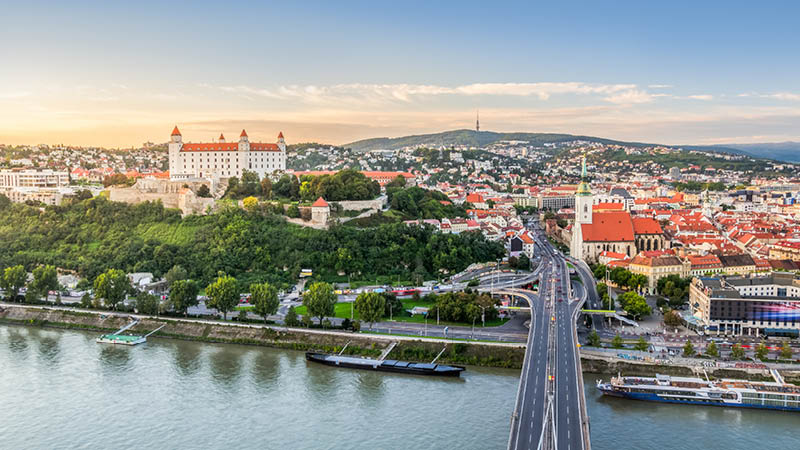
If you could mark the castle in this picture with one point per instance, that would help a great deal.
(221, 159)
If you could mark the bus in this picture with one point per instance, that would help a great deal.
(305, 273)
(400, 292)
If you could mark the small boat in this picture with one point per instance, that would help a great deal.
(386, 365)
(119, 338)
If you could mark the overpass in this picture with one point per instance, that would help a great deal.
(550, 409)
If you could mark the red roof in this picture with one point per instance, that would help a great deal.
(243, 133)
(320, 203)
(175, 131)
(221, 137)
(475, 198)
(227, 147)
(607, 206)
(646, 225)
(609, 227)
(280, 135)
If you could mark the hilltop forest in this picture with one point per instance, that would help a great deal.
(93, 235)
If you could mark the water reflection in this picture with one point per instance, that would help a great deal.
(226, 365)
(369, 386)
(187, 359)
(266, 369)
(115, 358)
(49, 346)
(321, 381)
(18, 341)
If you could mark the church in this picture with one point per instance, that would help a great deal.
(613, 231)
(221, 159)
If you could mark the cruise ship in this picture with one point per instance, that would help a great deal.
(735, 393)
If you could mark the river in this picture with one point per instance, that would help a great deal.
(59, 389)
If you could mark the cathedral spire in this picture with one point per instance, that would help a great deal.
(583, 188)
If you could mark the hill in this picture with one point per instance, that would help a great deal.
(781, 151)
(472, 138)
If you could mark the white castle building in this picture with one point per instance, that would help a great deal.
(221, 159)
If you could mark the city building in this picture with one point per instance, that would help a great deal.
(656, 265)
(750, 306)
(221, 159)
(33, 178)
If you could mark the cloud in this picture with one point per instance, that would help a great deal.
(13, 95)
(784, 96)
(633, 96)
(659, 86)
(701, 97)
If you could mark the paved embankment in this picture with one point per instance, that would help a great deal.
(410, 348)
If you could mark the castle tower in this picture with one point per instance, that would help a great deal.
(244, 142)
(281, 142)
(221, 138)
(175, 144)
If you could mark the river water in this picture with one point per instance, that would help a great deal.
(59, 389)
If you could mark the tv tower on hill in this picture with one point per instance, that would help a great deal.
(478, 121)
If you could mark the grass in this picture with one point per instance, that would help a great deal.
(342, 311)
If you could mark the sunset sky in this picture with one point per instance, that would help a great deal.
(122, 73)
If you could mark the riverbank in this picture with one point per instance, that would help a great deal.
(502, 355)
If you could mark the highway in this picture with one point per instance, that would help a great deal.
(550, 408)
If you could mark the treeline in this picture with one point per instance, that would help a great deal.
(95, 235)
(418, 203)
(347, 184)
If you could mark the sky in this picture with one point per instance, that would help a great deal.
(118, 74)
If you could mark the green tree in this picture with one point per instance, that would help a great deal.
(266, 188)
(737, 352)
(265, 299)
(293, 212)
(712, 350)
(634, 305)
(320, 301)
(13, 280)
(223, 294)
(175, 273)
(370, 307)
(203, 191)
(45, 279)
(147, 304)
(641, 345)
(183, 295)
(617, 342)
(672, 319)
(472, 312)
(762, 352)
(688, 348)
(111, 287)
(786, 351)
(291, 318)
(594, 339)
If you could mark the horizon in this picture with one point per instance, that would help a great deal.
(709, 74)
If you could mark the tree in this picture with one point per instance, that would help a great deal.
(688, 348)
(594, 339)
(176, 273)
(223, 294)
(672, 319)
(291, 318)
(13, 280)
(370, 307)
(599, 271)
(641, 345)
(183, 294)
(293, 212)
(250, 203)
(203, 191)
(634, 305)
(762, 352)
(524, 262)
(737, 352)
(617, 342)
(266, 188)
(320, 301)
(472, 312)
(111, 287)
(711, 350)
(147, 304)
(265, 300)
(786, 351)
(45, 279)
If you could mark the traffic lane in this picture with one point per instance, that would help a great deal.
(569, 413)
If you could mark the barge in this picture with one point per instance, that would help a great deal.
(387, 365)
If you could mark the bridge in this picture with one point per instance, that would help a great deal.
(550, 409)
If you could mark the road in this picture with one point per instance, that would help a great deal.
(550, 409)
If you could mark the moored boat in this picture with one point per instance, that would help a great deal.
(386, 365)
(726, 392)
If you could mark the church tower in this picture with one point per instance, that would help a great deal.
(583, 198)
(583, 213)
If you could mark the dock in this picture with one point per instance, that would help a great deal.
(119, 338)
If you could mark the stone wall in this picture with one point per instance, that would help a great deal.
(171, 194)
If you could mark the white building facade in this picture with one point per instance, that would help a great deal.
(222, 159)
